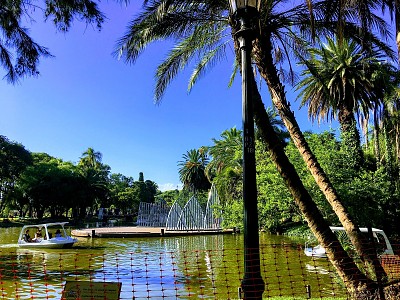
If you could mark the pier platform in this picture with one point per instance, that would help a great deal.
(136, 231)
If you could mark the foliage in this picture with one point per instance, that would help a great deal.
(367, 193)
(192, 170)
(44, 185)
(19, 53)
(275, 203)
(14, 159)
(168, 196)
(225, 167)
(39, 185)
(233, 215)
(121, 192)
(49, 184)
(300, 232)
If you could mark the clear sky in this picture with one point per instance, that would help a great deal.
(84, 98)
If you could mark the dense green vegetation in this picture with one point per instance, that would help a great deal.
(366, 191)
(39, 185)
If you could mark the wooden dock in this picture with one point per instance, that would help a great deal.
(136, 231)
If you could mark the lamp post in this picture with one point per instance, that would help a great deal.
(244, 11)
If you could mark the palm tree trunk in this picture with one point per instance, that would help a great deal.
(266, 67)
(376, 140)
(352, 277)
(388, 143)
(365, 132)
(350, 136)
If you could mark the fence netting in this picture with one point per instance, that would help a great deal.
(180, 274)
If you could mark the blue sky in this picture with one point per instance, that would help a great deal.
(84, 98)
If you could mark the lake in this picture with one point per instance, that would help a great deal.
(187, 267)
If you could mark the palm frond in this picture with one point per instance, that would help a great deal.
(208, 61)
(236, 69)
(6, 62)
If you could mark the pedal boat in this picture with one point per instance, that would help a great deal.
(54, 236)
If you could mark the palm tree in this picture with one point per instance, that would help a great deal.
(192, 170)
(226, 152)
(200, 29)
(278, 125)
(392, 123)
(338, 83)
(366, 16)
(96, 176)
(340, 80)
(226, 157)
(91, 159)
(225, 167)
(279, 31)
(19, 53)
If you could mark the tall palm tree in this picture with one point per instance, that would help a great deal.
(19, 53)
(200, 29)
(192, 170)
(366, 9)
(337, 83)
(393, 124)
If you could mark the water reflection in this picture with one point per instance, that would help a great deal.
(209, 266)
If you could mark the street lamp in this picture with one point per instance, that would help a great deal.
(245, 11)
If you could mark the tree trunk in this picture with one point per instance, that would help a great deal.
(389, 156)
(266, 67)
(377, 148)
(365, 132)
(351, 144)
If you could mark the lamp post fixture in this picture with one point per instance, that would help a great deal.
(244, 11)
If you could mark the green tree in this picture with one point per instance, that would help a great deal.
(148, 189)
(143, 191)
(96, 175)
(151, 191)
(91, 159)
(14, 159)
(385, 79)
(264, 48)
(338, 82)
(192, 170)
(120, 188)
(225, 172)
(224, 152)
(47, 184)
(168, 196)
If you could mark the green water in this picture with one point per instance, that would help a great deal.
(189, 267)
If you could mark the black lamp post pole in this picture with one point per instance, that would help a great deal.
(252, 283)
